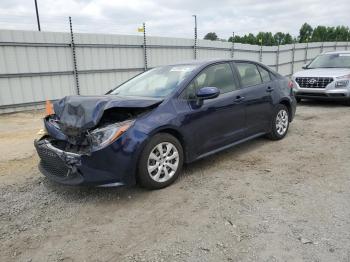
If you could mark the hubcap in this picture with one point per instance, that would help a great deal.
(282, 122)
(163, 162)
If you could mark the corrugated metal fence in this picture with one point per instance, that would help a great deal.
(35, 66)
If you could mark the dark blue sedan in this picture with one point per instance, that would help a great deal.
(144, 130)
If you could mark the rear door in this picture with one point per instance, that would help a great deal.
(217, 122)
(257, 88)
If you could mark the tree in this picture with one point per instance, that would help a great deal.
(342, 33)
(305, 33)
(211, 36)
(266, 37)
(279, 37)
(319, 34)
(288, 39)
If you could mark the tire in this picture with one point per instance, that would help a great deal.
(156, 171)
(298, 99)
(279, 129)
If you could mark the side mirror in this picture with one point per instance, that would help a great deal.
(207, 93)
(305, 66)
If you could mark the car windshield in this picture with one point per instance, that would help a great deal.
(157, 82)
(331, 61)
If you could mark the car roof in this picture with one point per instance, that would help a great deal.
(203, 62)
(337, 52)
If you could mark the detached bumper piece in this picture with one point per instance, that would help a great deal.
(58, 165)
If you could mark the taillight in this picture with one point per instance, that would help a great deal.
(290, 84)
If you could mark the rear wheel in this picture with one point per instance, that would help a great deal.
(280, 123)
(161, 162)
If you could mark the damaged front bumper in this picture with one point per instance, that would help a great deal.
(57, 164)
(113, 165)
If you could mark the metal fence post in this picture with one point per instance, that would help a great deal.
(347, 43)
(233, 45)
(293, 57)
(75, 68)
(260, 55)
(335, 45)
(277, 57)
(195, 37)
(144, 47)
(322, 47)
(306, 49)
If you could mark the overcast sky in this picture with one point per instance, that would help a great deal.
(174, 18)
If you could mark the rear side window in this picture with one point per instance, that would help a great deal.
(265, 75)
(249, 74)
(219, 76)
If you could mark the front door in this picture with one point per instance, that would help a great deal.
(215, 122)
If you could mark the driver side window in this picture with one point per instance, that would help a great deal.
(219, 76)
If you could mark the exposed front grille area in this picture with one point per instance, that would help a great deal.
(51, 162)
(313, 82)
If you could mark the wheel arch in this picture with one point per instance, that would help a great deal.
(288, 104)
(175, 133)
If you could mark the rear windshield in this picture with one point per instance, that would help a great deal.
(331, 61)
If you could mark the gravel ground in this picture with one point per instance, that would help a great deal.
(261, 201)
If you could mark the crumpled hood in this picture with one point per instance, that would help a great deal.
(84, 112)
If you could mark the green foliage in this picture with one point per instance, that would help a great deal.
(211, 36)
(306, 34)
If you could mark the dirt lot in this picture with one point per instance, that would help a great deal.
(261, 201)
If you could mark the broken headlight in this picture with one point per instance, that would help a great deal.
(101, 137)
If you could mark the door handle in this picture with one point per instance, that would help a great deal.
(239, 99)
(269, 89)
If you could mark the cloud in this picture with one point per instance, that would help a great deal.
(174, 18)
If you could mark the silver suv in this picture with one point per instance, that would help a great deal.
(325, 77)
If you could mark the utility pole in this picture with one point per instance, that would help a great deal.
(195, 36)
(37, 15)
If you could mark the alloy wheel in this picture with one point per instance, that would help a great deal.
(282, 121)
(163, 162)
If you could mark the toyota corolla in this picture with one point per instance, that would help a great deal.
(144, 130)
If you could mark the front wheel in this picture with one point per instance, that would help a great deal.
(280, 123)
(161, 162)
